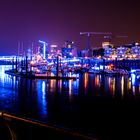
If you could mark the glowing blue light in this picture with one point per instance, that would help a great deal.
(133, 77)
(132, 71)
(44, 48)
(138, 76)
(97, 68)
(40, 41)
(101, 67)
(44, 51)
(70, 60)
(43, 87)
(41, 96)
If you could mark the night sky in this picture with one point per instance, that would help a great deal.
(55, 21)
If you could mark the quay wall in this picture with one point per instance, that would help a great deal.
(92, 62)
(5, 62)
(118, 63)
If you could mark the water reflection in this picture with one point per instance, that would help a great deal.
(133, 78)
(85, 81)
(52, 85)
(111, 85)
(85, 103)
(8, 89)
(6, 80)
(41, 97)
(114, 86)
(32, 95)
(129, 84)
(97, 81)
(70, 87)
(122, 86)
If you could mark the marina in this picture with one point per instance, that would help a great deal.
(69, 98)
(69, 70)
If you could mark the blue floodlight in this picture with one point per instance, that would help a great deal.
(44, 48)
(40, 41)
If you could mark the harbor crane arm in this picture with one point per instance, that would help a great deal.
(95, 33)
(110, 37)
(88, 34)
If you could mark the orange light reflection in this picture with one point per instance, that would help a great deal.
(122, 86)
(85, 80)
(97, 81)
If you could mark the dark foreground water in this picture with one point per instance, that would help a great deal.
(102, 106)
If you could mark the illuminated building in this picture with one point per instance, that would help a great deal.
(84, 53)
(106, 45)
(108, 49)
(53, 51)
(121, 51)
(29, 54)
(128, 51)
(43, 49)
(135, 50)
(69, 50)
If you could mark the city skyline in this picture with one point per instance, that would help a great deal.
(55, 21)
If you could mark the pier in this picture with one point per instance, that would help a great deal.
(39, 76)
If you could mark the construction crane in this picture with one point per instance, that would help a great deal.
(110, 37)
(88, 34)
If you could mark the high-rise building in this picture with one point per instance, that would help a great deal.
(43, 49)
(53, 51)
(135, 51)
(108, 49)
(69, 50)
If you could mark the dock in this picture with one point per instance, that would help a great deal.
(39, 76)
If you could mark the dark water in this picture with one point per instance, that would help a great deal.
(102, 106)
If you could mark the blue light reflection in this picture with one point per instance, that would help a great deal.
(41, 97)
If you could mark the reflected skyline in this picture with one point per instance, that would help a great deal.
(111, 84)
(41, 97)
(86, 103)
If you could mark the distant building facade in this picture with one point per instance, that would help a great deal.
(43, 50)
(69, 50)
(128, 51)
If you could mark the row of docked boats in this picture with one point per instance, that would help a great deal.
(80, 70)
(109, 72)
